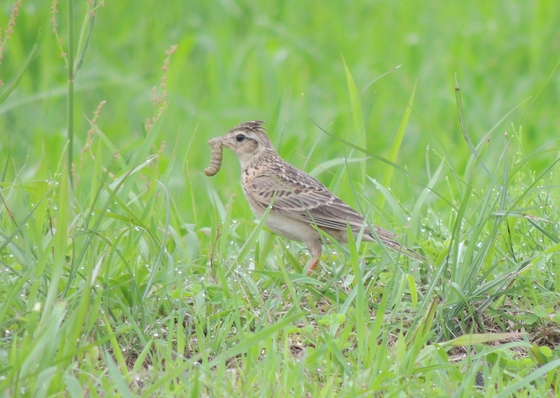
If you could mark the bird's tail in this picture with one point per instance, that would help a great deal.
(399, 247)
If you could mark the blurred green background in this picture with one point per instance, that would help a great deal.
(246, 60)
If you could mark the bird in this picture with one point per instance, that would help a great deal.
(299, 203)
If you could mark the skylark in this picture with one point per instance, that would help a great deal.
(300, 203)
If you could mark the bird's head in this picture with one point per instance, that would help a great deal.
(249, 141)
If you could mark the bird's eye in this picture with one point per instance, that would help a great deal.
(240, 137)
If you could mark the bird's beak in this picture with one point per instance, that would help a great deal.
(215, 141)
(227, 143)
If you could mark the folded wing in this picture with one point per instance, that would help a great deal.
(306, 199)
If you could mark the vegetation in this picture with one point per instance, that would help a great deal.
(127, 272)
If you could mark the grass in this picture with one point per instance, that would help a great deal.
(130, 273)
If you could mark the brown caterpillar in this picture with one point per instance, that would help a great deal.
(216, 161)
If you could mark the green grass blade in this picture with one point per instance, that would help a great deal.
(526, 381)
(357, 116)
(120, 382)
(21, 72)
(395, 148)
(251, 341)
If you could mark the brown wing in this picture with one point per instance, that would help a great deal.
(302, 197)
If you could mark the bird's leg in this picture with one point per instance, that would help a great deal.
(312, 266)
(315, 249)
